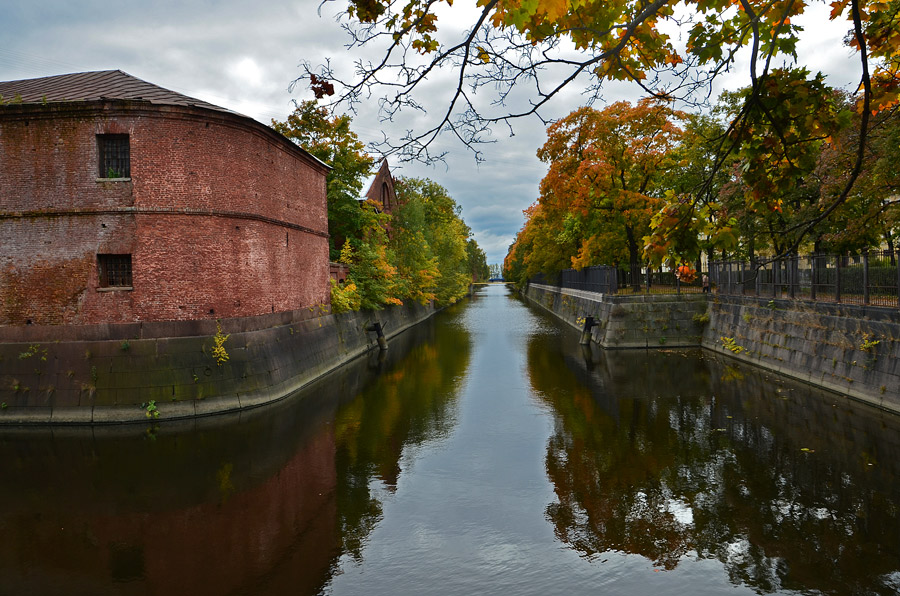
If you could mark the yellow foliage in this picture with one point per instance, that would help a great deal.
(218, 352)
(344, 298)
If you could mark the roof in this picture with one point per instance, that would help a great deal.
(375, 181)
(95, 86)
(116, 85)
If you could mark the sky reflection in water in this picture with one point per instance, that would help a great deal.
(485, 453)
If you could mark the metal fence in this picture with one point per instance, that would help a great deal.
(869, 278)
(605, 279)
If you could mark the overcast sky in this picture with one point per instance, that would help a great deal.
(243, 56)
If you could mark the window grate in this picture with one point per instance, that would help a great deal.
(115, 156)
(114, 271)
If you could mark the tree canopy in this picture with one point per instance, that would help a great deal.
(671, 49)
(626, 174)
(420, 251)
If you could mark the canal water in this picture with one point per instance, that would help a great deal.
(485, 452)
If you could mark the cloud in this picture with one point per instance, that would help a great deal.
(247, 71)
(244, 57)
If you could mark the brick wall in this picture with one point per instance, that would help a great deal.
(222, 216)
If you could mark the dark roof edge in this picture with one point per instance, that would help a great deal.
(89, 83)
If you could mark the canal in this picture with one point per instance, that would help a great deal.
(485, 452)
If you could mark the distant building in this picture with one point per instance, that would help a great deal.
(121, 201)
(381, 189)
(380, 193)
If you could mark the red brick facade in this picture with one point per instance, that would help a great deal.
(222, 216)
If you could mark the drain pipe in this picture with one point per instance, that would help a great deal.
(586, 332)
(379, 331)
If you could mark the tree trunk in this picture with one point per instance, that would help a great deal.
(634, 259)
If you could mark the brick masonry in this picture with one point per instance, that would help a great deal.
(223, 217)
(850, 350)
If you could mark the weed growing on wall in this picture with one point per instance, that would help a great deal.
(150, 409)
(868, 344)
(219, 354)
(34, 350)
(730, 345)
(701, 318)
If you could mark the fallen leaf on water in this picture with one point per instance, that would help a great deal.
(808, 450)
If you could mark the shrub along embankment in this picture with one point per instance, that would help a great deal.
(848, 349)
(178, 369)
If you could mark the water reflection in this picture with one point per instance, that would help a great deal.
(261, 502)
(677, 455)
(411, 404)
(485, 452)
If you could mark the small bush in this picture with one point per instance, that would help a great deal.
(344, 298)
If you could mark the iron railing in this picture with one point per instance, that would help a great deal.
(870, 278)
(605, 279)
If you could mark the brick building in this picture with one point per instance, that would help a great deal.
(380, 193)
(381, 189)
(121, 201)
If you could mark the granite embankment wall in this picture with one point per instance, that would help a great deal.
(628, 321)
(104, 373)
(848, 349)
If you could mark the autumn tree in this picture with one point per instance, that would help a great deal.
(431, 215)
(780, 180)
(522, 53)
(695, 180)
(540, 246)
(370, 262)
(330, 139)
(478, 264)
(871, 214)
(602, 186)
(417, 266)
(771, 149)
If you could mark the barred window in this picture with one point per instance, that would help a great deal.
(115, 156)
(114, 271)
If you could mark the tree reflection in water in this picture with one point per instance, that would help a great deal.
(680, 454)
(263, 501)
(411, 404)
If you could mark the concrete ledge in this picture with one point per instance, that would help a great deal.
(627, 322)
(851, 350)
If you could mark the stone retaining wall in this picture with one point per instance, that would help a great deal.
(851, 350)
(627, 321)
(43, 380)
